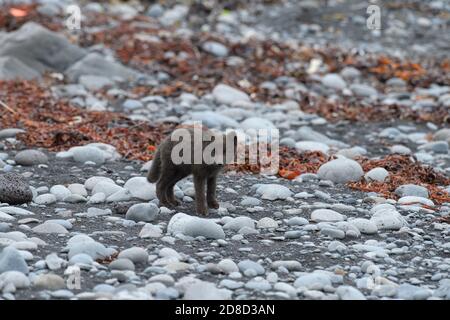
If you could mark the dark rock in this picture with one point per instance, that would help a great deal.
(14, 189)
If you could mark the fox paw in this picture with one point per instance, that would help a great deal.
(213, 204)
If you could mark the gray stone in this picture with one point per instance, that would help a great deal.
(411, 190)
(215, 48)
(50, 227)
(194, 226)
(30, 157)
(13, 69)
(267, 223)
(16, 211)
(88, 153)
(272, 191)
(334, 81)
(291, 265)
(140, 188)
(12, 260)
(409, 292)
(306, 133)
(246, 265)
(131, 104)
(202, 290)
(49, 282)
(228, 266)
(333, 233)
(303, 146)
(146, 212)
(297, 221)
(14, 189)
(350, 73)
(442, 135)
(228, 95)
(435, 146)
(258, 284)
(40, 49)
(93, 82)
(213, 119)
(365, 226)
(250, 201)
(92, 248)
(239, 222)
(106, 187)
(54, 262)
(81, 258)
(46, 198)
(60, 192)
(10, 133)
(326, 215)
(122, 264)
(155, 10)
(363, 90)
(349, 293)
(389, 219)
(341, 170)
(135, 254)
(94, 64)
(313, 281)
(377, 174)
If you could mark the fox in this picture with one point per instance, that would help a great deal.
(166, 170)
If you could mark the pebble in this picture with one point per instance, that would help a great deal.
(146, 212)
(365, 226)
(30, 157)
(235, 224)
(45, 199)
(349, 293)
(228, 266)
(49, 282)
(326, 215)
(266, 223)
(141, 189)
(341, 170)
(248, 265)
(215, 48)
(50, 227)
(334, 81)
(122, 264)
(202, 290)
(194, 226)
(273, 191)
(12, 260)
(86, 153)
(411, 190)
(60, 192)
(12, 280)
(312, 281)
(134, 254)
(377, 174)
(228, 95)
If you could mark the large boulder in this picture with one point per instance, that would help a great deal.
(94, 64)
(12, 68)
(40, 49)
